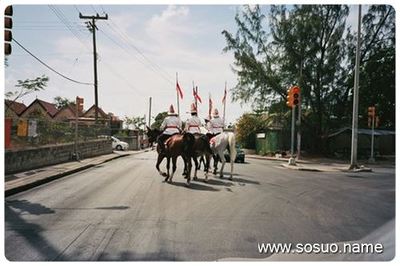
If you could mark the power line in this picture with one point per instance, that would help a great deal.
(49, 67)
(156, 67)
(65, 21)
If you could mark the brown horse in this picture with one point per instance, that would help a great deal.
(177, 145)
(201, 148)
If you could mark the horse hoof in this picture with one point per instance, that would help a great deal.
(166, 179)
(221, 176)
(231, 178)
(188, 184)
(195, 178)
(164, 174)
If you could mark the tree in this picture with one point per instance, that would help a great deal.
(136, 121)
(26, 87)
(309, 46)
(61, 102)
(159, 119)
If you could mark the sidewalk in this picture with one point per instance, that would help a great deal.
(320, 164)
(15, 183)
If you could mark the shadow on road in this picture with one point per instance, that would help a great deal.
(29, 231)
(193, 186)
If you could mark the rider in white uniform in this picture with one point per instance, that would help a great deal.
(171, 125)
(194, 123)
(215, 125)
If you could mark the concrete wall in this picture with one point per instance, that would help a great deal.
(132, 141)
(27, 159)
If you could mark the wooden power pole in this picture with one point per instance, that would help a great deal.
(93, 28)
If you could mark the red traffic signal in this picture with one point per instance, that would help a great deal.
(289, 98)
(296, 95)
(7, 29)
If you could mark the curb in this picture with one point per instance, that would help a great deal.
(48, 179)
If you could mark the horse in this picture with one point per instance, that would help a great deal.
(201, 148)
(177, 145)
(218, 144)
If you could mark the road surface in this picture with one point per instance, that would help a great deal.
(122, 210)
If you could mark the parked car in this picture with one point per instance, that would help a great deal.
(239, 155)
(118, 144)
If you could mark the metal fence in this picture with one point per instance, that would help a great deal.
(25, 133)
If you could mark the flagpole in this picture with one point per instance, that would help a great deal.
(194, 95)
(209, 105)
(224, 104)
(177, 93)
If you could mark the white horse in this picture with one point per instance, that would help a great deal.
(221, 142)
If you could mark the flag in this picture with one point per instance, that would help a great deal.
(179, 90)
(196, 95)
(224, 98)
(209, 106)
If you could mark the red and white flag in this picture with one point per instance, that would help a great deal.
(196, 95)
(179, 90)
(224, 98)
(210, 104)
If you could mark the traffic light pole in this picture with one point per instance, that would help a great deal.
(371, 158)
(94, 28)
(292, 160)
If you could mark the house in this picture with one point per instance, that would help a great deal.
(339, 142)
(67, 113)
(102, 117)
(13, 109)
(41, 109)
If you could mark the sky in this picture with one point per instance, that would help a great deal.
(141, 48)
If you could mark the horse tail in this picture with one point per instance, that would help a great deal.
(189, 140)
(232, 145)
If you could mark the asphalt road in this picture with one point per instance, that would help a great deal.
(122, 210)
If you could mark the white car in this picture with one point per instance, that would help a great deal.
(118, 144)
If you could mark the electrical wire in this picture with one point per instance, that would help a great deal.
(49, 67)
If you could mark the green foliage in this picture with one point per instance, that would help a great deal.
(136, 121)
(249, 124)
(159, 119)
(310, 46)
(61, 102)
(26, 87)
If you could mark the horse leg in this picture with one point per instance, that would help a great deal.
(174, 158)
(159, 160)
(215, 158)
(168, 164)
(222, 157)
(189, 168)
(196, 163)
(199, 165)
(185, 168)
(206, 166)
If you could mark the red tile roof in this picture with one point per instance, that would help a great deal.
(49, 107)
(17, 107)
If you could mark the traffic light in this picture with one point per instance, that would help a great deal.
(296, 95)
(371, 111)
(7, 29)
(289, 98)
(79, 104)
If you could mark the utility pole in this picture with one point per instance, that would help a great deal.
(93, 29)
(354, 134)
(149, 111)
(299, 113)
